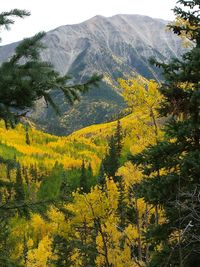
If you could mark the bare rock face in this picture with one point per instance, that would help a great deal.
(117, 47)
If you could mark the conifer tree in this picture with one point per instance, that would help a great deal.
(8, 170)
(65, 190)
(19, 191)
(89, 170)
(62, 249)
(20, 196)
(171, 167)
(122, 205)
(25, 251)
(83, 178)
(33, 172)
(111, 161)
(118, 139)
(28, 142)
(101, 175)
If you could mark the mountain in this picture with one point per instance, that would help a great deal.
(118, 47)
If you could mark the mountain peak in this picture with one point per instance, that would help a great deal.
(118, 47)
(132, 17)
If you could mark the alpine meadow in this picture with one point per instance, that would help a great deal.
(100, 142)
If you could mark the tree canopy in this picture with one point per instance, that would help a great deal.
(171, 167)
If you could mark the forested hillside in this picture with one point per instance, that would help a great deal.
(59, 176)
(119, 194)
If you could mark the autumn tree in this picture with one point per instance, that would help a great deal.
(143, 98)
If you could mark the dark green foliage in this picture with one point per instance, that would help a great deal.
(131, 214)
(101, 175)
(65, 190)
(118, 139)
(33, 172)
(173, 164)
(50, 187)
(122, 207)
(28, 142)
(62, 249)
(8, 170)
(86, 177)
(83, 179)
(20, 196)
(89, 170)
(72, 178)
(19, 191)
(111, 162)
(111, 159)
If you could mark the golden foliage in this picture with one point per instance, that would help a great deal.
(95, 220)
(187, 30)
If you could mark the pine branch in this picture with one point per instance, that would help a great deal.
(71, 92)
(5, 19)
(29, 48)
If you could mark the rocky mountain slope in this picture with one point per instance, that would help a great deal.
(117, 47)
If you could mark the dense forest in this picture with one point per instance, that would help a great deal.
(120, 194)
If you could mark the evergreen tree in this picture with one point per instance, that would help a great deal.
(83, 178)
(101, 175)
(65, 190)
(19, 190)
(122, 206)
(20, 193)
(8, 171)
(33, 172)
(62, 248)
(89, 170)
(171, 167)
(25, 251)
(118, 139)
(111, 162)
(25, 174)
(28, 142)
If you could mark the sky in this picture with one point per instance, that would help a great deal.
(49, 14)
